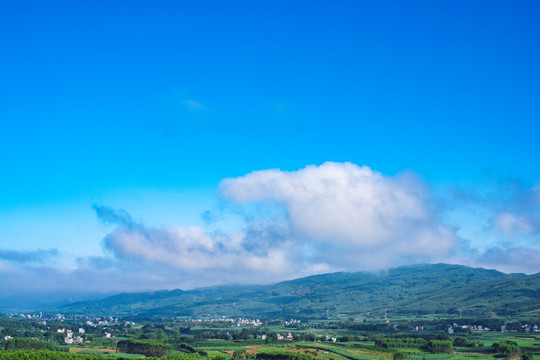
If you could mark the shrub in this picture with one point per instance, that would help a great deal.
(401, 356)
(508, 348)
(144, 347)
(439, 346)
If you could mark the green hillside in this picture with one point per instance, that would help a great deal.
(405, 291)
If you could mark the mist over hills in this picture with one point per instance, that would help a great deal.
(405, 291)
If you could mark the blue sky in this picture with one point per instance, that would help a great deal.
(422, 116)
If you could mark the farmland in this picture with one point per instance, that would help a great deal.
(271, 340)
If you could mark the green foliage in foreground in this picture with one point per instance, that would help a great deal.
(30, 344)
(281, 355)
(45, 355)
(55, 355)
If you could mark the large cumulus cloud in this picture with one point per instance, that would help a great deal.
(351, 207)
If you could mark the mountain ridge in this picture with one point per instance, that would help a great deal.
(403, 291)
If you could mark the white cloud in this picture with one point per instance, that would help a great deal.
(511, 224)
(519, 216)
(511, 260)
(191, 248)
(353, 208)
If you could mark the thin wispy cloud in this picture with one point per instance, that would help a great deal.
(519, 214)
(25, 257)
(510, 211)
(194, 106)
(109, 215)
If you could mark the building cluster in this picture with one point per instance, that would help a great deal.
(292, 322)
(480, 328)
(34, 316)
(248, 322)
(26, 316)
(92, 321)
(237, 322)
(70, 339)
(455, 326)
(101, 321)
(472, 327)
(531, 328)
(288, 337)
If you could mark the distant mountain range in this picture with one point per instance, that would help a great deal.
(404, 291)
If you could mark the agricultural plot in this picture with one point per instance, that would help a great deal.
(323, 340)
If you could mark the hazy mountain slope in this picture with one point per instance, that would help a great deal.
(512, 296)
(419, 289)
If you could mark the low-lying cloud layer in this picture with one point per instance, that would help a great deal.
(332, 217)
(25, 257)
(191, 248)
